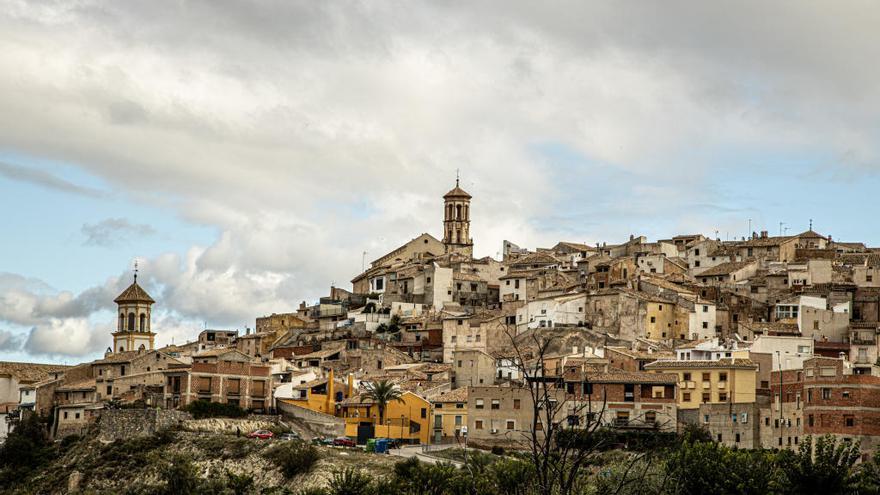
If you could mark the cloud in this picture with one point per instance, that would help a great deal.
(9, 341)
(72, 337)
(45, 179)
(113, 232)
(308, 133)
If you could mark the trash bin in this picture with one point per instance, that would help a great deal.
(371, 445)
(382, 446)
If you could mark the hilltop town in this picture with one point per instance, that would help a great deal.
(763, 342)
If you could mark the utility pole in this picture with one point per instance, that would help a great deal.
(780, 227)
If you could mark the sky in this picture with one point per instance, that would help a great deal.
(247, 154)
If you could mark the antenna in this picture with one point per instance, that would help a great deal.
(780, 227)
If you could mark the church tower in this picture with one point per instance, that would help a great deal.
(133, 328)
(457, 221)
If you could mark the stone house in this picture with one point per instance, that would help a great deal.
(728, 273)
(229, 378)
(473, 367)
(485, 332)
(766, 249)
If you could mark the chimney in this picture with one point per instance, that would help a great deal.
(631, 237)
(763, 234)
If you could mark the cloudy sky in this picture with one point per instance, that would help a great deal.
(248, 154)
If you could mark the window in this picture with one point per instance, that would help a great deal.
(516, 403)
(65, 414)
(650, 416)
(696, 252)
(722, 397)
(849, 421)
(479, 403)
(845, 394)
(122, 370)
(722, 377)
(767, 421)
(686, 397)
(516, 284)
(705, 324)
(438, 405)
(737, 438)
(686, 377)
(707, 397)
(719, 438)
(765, 384)
(706, 418)
(478, 424)
(744, 418)
(457, 420)
(653, 319)
(705, 309)
(706, 377)
(826, 393)
(459, 363)
(109, 389)
(622, 418)
(869, 278)
(496, 404)
(424, 412)
(511, 425)
(697, 264)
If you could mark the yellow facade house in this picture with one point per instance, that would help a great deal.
(723, 381)
(449, 414)
(665, 320)
(321, 395)
(407, 421)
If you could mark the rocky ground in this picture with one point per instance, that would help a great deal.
(136, 465)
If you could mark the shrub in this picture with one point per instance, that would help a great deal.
(293, 457)
(204, 409)
(350, 481)
(179, 475)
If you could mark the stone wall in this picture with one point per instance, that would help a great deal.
(320, 423)
(230, 426)
(128, 423)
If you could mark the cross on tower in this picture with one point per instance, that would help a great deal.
(456, 177)
(135, 270)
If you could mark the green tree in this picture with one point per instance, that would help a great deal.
(825, 468)
(381, 393)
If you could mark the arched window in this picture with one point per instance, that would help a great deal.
(143, 323)
(466, 213)
(131, 322)
(458, 212)
(458, 237)
(121, 322)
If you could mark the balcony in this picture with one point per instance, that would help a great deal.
(722, 385)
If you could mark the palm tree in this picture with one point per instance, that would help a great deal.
(381, 393)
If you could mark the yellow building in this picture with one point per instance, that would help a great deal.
(408, 421)
(449, 415)
(321, 395)
(727, 380)
(665, 320)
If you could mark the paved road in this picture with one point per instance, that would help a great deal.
(416, 451)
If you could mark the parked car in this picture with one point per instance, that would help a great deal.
(344, 442)
(262, 434)
(290, 436)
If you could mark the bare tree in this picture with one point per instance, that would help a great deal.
(566, 418)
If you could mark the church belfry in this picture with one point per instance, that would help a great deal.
(457, 221)
(133, 330)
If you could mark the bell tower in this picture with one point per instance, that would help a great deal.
(133, 330)
(457, 221)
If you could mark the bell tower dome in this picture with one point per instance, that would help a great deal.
(133, 331)
(457, 221)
